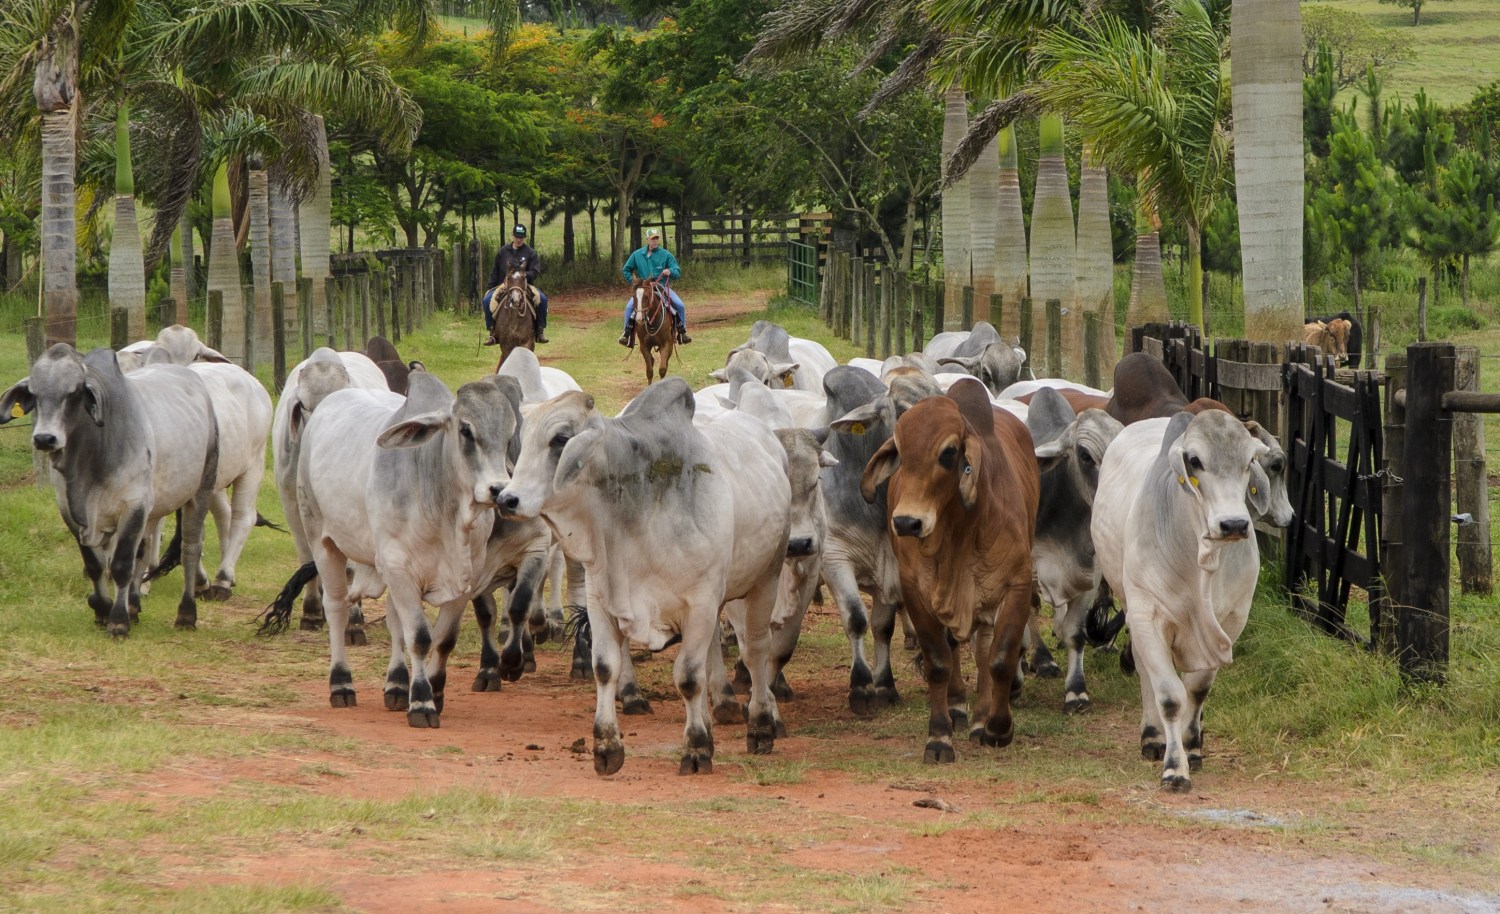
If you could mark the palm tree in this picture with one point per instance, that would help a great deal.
(1095, 259)
(283, 251)
(1148, 288)
(983, 182)
(956, 217)
(1053, 238)
(224, 270)
(314, 220)
(1166, 122)
(1010, 237)
(1267, 90)
(127, 270)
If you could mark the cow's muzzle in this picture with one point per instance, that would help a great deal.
(1234, 529)
(43, 441)
(906, 525)
(799, 546)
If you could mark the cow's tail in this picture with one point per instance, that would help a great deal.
(261, 521)
(1103, 623)
(172, 557)
(276, 617)
(577, 625)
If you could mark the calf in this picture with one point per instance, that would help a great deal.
(1331, 336)
(671, 522)
(962, 500)
(123, 452)
(1172, 536)
(397, 373)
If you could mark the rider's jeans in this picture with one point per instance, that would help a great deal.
(677, 305)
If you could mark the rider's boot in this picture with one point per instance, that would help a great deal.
(540, 333)
(682, 334)
(628, 336)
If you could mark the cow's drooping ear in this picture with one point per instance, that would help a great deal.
(880, 468)
(93, 401)
(785, 372)
(1050, 454)
(578, 452)
(206, 354)
(726, 402)
(413, 432)
(968, 474)
(826, 459)
(1184, 473)
(720, 374)
(857, 421)
(19, 395)
(1258, 495)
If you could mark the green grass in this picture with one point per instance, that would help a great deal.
(1457, 47)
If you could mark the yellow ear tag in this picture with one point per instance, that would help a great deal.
(786, 380)
(858, 428)
(1194, 481)
(1181, 480)
(15, 411)
(1254, 490)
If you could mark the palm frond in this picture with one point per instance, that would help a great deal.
(912, 71)
(795, 27)
(234, 29)
(994, 118)
(355, 85)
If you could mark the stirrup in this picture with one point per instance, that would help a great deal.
(682, 336)
(627, 337)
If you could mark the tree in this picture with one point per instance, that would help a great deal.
(1268, 164)
(1054, 268)
(1010, 236)
(957, 220)
(1359, 201)
(1318, 90)
(127, 270)
(1354, 44)
(1449, 218)
(1414, 5)
(1409, 131)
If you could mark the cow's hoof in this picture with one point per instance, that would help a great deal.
(395, 699)
(422, 718)
(311, 624)
(119, 630)
(1153, 752)
(1195, 761)
(697, 761)
(938, 753)
(1177, 783)
(1076, 704)
(217, 593)
(355, 637)
(960, 719)
(909, 642)
(342, 698)
(185, 624)
(1047, 669)
(581, 670)
(760, 740)
(781, 690)
(437, 702)
(529, 665)
(608, 759)
(986, 737)
(636, 705)
(862, 701)
(887, 696)
(488, 680)
(729, 712)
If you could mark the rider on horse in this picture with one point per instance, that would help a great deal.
(653, 262)
(512, 257)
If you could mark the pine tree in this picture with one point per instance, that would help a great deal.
(1359, 199)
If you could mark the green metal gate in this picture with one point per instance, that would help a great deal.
(802, 272)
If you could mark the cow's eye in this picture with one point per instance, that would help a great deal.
(1085, 456)
(559, 440)
(949, 456)
(1194, 462)
(1275, 466)
(467, 431)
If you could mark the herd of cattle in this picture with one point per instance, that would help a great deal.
(951, 492)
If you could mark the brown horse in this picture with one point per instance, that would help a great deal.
(654, 325)
(514, 313)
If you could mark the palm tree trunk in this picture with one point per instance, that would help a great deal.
(1096, 258)
(1010, 237)
(190, 269)
(957, 222)
(314, 222)
(1148, 287)
(1267, 87)
(224, 271)
(1195, 275)
(59, 245)
(1053, 262)
(908, 232)
(984, 202)
(179, 277)
(127, 268)
(260, 257)
(284, 250)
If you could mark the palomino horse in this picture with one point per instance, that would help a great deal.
(514, 314)
(654, 324)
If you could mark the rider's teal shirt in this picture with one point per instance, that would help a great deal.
(647, 265)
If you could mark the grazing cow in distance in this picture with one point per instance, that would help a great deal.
(1069, 451)
(123, 452)
(962, 505)
(307, 385)
(1354, 341)
(1172, 534)
(1332, 337)
(397, 372)
(671, 521)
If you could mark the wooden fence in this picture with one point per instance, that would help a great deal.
(1370, 478)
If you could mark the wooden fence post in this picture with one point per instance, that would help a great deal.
(379, 302)
(393, 290)
(439, 293)
(1471, 485)
(36, 344)
(278, 335)
(409, 297)
(997, 309)
(305, 315)
(856, 299)
(1421, 310)
(872, 308)
(346, 301)
(887, 295)
(213, 320)
(1091, 349)
(938, 305)
(1026, 336)
(1392, 546)
(331, 298)
(119, 328)
(1422, 617)
(166, 313)
(248, 296)
(1054, 337)
(900, 305)
(918, 312)
(364, 309)
(966, 316)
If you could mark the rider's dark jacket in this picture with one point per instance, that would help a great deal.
(509, 258)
